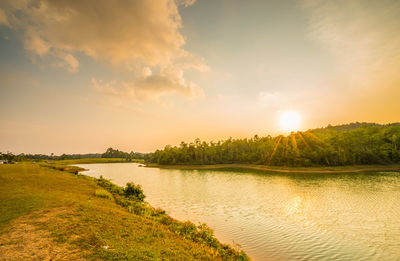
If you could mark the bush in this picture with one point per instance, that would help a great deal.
(166, 220)
(108, 185)
(132, 198)
(134, 191)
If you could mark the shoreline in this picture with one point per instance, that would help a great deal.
(95, 160)
(138, 231)
(278, 169)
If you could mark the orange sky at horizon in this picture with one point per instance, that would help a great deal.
(108, 82)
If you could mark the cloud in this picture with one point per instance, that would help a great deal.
(71, 63)
(186, 2)
(362, 36)
(135, 35)
(3, 18)
(150, 87)
(33, 42)
(115, 31)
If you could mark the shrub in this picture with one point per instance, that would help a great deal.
(108, 185)
(123, 201)
(132, 198)
(166, 220)
(101, 193)
(134, 191)
(159, 212)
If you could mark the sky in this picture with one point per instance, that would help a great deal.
(82, 76)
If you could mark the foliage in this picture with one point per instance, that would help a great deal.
(95, 160)
(351, 144)
(102, 193)
(41, 157)
(134, 191)
(111, 187)
(97, 228)
(112, 153)
(132, 198)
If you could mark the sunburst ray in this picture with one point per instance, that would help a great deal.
(276, 147)
(303, 140)
(294, 142)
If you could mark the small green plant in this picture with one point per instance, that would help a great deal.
(132, 198)
(134, 191)
(108, 185)
(101, 193)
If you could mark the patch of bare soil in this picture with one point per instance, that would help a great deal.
(26, 239)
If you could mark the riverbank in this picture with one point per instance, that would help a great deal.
(278, 169)
(52, 214)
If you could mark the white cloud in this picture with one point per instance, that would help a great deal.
(135, 35)
(115, 31)
(150, 87)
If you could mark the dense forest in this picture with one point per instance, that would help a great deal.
(351, 144)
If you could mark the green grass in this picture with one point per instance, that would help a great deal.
(102, 193)
(26, 187)
(96, 225)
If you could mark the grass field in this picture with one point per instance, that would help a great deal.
(48, 214)
(280, 169)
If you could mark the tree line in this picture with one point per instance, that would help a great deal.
(114, 153)
(350, 144)
(38, 157)
(110, 153)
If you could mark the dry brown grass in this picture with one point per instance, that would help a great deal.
(26, 239)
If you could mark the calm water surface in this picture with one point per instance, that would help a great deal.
(279, 216)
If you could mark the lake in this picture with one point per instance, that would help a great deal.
(354, 216)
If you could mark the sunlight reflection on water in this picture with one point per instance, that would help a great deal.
(279, 216)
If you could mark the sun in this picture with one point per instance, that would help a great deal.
(289, 121)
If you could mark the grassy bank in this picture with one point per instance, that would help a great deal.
(52, 214)
(338, 169)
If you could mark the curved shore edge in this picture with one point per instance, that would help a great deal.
(53, 212)
(277, 169)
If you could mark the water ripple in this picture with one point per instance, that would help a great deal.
(280, 217)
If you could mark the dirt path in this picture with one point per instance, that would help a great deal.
(26, 239)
